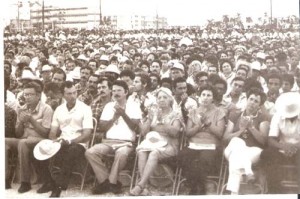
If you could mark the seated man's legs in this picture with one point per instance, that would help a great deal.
(95, 156)
(11, 146)
(271, 159)
(121, 157)
(71, 154)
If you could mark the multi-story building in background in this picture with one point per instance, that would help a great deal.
(81, 17)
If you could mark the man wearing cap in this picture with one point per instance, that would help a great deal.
(46, 74)
(33, 124)
(119, 120)
(112, 72)
(283, 140)
(177, 70)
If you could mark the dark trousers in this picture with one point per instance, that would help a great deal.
(271, 160)
(67, 157)
(197, 165)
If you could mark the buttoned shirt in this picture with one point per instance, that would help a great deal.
(42, 114)
(286, 130)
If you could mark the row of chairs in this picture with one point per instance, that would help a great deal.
(171, 174)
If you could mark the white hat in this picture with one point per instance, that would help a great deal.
(177, 65)
(256, 65)
(83, 57)
(116, 47)
(45, 149)
(261, 55)
(75, 74)
(287, 105)
(46, 68)
(152, 141)
(112, 68)
(104, 58)
(27, 74)
(102, 49)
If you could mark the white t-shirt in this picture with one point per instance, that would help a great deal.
(72, 122)
(120, 130)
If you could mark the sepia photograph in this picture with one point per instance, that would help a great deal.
(123, 98)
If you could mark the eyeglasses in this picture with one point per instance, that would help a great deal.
(28, 94)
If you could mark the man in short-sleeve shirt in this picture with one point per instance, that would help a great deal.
(32, 125)
(74, 120)
(119, 120)
(284, 140)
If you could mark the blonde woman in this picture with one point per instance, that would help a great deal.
(164, 120)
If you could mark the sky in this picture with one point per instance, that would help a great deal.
(184, 12)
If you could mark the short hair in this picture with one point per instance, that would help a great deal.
(274, 76)
(66, 84)
(210, 88)
(93, 60)
(226, 61)
(167, 80)
(288, 78)
(51, 86)
(59, 71)
(269, 57)
(122, 84)
(220, 81)
(36, 86)
(257, 91)
(155, 75)
(237, 79)
(127, 73)
(178, 80)
(102, 79)
(211, 59)
(244, 69)
(8, 63)
(144, 62)
(157, 61)
(87, 68)
(201, 74)
(137, 55)
(252, 83)
(129, 62)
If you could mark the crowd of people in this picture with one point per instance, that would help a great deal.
(233, 93)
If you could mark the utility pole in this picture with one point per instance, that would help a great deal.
(271, 11)
(43, 17)
(100, 20)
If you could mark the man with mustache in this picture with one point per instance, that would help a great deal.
(119, 120)
(103, 97)
(91, 91)
(85, 73)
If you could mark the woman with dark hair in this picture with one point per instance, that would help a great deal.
(144, 65)
(246, 133)
(204, 131)
(226, 67)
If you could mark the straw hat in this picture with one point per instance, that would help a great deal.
(45, 149)
(287, 105)
(152, 141)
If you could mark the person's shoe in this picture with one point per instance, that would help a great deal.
(116, 188)
(25, 186)
(136, 191)
(250, 178)
(7, 184)
(55, 192)
(46, 187)
(102, 188)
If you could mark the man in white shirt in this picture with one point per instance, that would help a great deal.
(119, 120)
(74, 120)
(283, 141)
